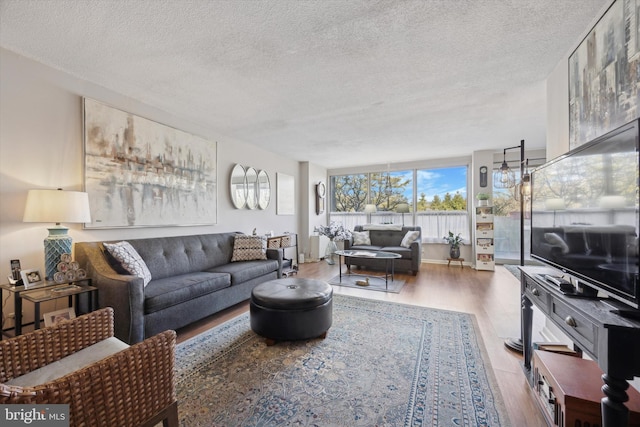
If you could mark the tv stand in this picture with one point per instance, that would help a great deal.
(628, 313)
(611, 339)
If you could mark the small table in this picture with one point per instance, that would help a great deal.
(388, 257)
(455, 259)
(45, 292)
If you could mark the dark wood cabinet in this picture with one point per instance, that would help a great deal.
(613, 341)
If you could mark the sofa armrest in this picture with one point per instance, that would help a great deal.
(123, 292)
(278, 256)
(416, 256)
(126, 389)
(348, 243)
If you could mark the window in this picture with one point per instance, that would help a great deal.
(442, 203)
(434, 199)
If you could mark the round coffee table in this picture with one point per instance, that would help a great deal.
(291, 309)
(387, 257)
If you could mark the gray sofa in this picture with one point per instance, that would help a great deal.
(388, 240)
(192, 278)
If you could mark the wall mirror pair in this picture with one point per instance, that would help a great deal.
(250, 188)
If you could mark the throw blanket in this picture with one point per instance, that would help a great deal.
(391, 227)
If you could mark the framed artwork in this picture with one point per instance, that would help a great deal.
(31, 278)
(285, 202)
(604, 72)
(140, 173)
(54, 317)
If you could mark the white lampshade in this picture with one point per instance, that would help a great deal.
(612, 202)
(554, 204)
(57, 206)
(369, 209)
(402, 208)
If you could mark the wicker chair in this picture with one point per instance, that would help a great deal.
(133, 387)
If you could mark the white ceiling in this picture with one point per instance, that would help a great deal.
(334, 82)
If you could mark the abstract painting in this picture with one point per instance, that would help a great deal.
(140, 173)
(604, 74)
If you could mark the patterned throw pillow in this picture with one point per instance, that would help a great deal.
(361, 238)
(129, 259)
(247, 248)
(409, 238)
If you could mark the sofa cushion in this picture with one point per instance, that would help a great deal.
(71, 363)
(246, 270)
(170, 291)
(129, 259)
(404, 253)
(247, 248)
(361, 238)
(365, 248)
(409, 238)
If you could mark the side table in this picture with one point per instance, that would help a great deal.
(455, 259)
(47, 291)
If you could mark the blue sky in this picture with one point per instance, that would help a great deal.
(437, 181)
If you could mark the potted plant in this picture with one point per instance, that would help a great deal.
(454, 242)
(483, 199)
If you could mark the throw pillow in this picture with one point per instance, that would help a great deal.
(409, 238)
(247, 248)
(361, 238)
(555, 240)
(129, 259)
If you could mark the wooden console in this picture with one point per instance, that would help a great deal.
(611, 340)
(568, 391)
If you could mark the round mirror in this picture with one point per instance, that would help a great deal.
(264, 190)
(238, 187)
(252, 188)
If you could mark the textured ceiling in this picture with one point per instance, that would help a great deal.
(338, 83)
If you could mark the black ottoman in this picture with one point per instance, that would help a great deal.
(291, 309)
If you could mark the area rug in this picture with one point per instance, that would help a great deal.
(382, 364)
(376, 283)
(513, 269)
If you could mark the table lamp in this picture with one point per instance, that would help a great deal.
(402, 208)
(555, 204)
(369, 209)
(56, 206)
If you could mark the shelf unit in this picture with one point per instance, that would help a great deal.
(484, 241)
(286, 242)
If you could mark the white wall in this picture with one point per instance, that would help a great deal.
(41, 147)
(310, 175)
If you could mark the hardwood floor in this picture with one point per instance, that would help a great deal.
(493, 297)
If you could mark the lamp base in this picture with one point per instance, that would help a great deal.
(514, 344)
(58, 242)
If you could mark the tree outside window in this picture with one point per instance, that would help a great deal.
(440, 195)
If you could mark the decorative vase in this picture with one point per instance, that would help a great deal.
(483, 202)
(454, 252)
(330, 253)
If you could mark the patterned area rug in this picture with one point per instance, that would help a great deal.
(382, 364)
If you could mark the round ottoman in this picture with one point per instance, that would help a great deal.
(291, 309)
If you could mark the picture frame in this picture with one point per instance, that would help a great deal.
(31, 278)
(603, 90)
(141, 173)
(285, 197)
(57, 316)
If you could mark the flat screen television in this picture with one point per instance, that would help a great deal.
(584, 214)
